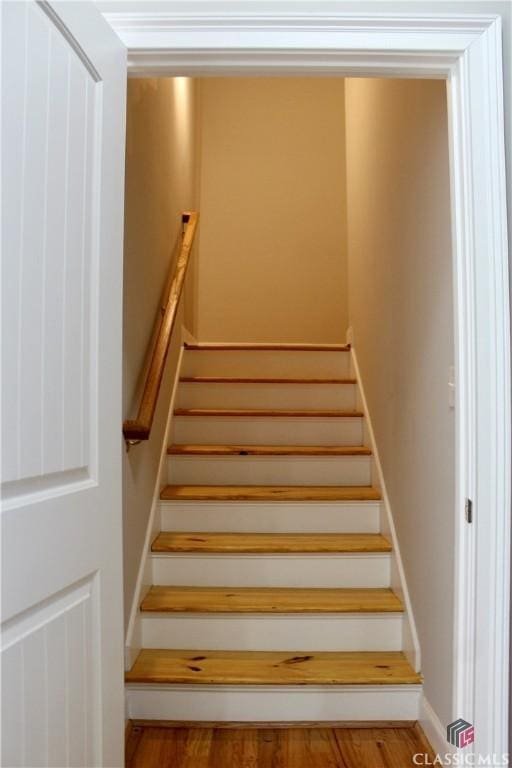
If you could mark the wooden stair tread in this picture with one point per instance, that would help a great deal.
(227, 542)
(221, 347)
(269, 412)
(173, 599)
(272, 668)
(269, 493)
(259, 380)
(268, 450)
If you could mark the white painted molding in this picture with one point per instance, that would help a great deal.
(221, 38)
(313, 38)
(482, 348)
(411, 644)
(435, 732)
(133, 642)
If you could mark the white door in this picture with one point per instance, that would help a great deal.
(63, 107)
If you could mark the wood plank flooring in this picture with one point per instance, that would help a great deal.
(382, 746)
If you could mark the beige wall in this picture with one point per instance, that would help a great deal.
(160, 184)
(272, 263)
(400, 305)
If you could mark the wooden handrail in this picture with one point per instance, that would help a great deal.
(140, 427)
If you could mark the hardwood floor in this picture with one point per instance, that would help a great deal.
(152, 746)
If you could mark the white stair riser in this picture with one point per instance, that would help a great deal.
(269, 517)
(308, 396)
(267, 363)
(272, 430)
(358, 570)
(273, 703)
(273, 632)
(269, 470)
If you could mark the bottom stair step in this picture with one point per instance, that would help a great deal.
(271, 668)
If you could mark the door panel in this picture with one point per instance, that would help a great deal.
(51, 664)
(64, 83)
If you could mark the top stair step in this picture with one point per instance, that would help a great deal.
(262, 380)
(241, 347)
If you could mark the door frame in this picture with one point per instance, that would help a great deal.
(275, 38)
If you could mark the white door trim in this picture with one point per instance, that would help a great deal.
(225, 38)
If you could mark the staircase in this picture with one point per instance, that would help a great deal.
(270, 596)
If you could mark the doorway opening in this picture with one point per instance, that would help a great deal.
(324, 218)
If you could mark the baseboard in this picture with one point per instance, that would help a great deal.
(133, 641)
(435, 732)
(274, 725)
(411, 644)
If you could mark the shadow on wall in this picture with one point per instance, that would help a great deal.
(161, 169)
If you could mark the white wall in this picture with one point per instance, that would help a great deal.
(272, 262)
(160, 184)
(400, 305)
